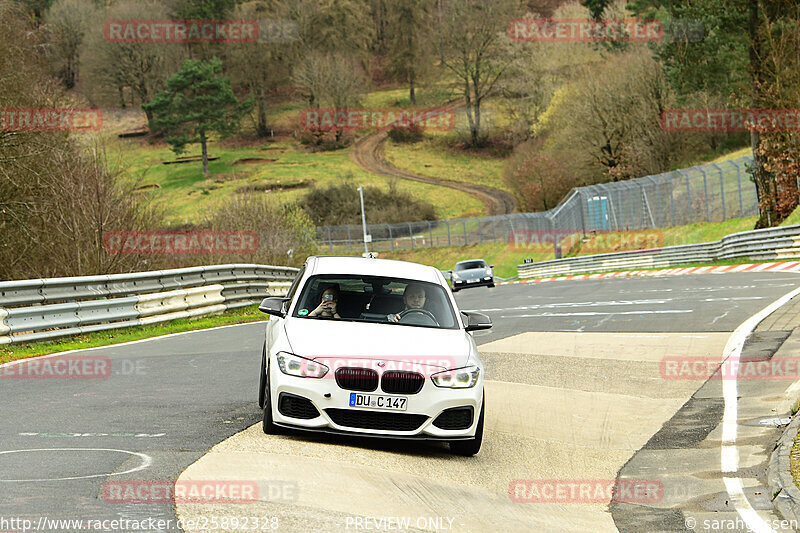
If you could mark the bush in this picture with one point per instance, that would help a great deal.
(410, 134)
(285, 233)
(337, 205)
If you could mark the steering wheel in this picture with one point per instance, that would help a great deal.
(423, 312)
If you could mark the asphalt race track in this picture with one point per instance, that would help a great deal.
(571, 394)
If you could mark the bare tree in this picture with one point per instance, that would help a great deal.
(141, 69)
(331, 79)
(70, 21)
(263, 66)
(57, 195)
(410, 44)
(471, 37)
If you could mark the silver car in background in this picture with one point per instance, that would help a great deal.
(472, 273)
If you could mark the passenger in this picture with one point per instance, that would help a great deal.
(327, 304)
(413, 298)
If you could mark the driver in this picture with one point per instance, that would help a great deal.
(413, 298)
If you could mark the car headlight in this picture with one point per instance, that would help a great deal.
(454, 276)
(294, 365)
(457, 378)
(488, 271)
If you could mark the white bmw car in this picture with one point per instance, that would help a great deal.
(373, 347)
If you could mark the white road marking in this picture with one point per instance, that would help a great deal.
(597, 313)
(146, 462)
(729, 454)
(734, 298)
(573, 304)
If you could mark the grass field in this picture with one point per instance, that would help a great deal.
(282, 170)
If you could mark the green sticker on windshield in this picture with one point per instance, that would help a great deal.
(302, 312)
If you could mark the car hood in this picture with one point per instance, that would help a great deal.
(340, 339)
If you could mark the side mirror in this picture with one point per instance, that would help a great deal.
(476, 321)
(491, 266)
(273, 306)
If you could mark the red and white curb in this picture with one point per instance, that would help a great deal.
(752, 267)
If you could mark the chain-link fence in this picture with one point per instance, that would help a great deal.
(707, 193)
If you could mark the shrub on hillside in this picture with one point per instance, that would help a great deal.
(410, 134)
(285, 233)
(337, 205)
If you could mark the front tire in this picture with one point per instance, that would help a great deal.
(265, 400)
(471, 446)
(262, 382)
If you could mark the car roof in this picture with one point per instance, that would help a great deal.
(372, 267)
(471, 260)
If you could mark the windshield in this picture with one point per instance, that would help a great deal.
(377, 299)
(469, 265)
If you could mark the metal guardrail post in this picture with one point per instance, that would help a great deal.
(391, 239)
(464, 222)
(448, 231)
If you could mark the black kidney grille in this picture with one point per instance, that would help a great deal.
(353, 418)
(402, 382)
(296, 407)
(360, 379)
(455, 418)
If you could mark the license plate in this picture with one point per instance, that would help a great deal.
(472, 280)
(377, 401)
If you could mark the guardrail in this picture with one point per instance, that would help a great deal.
(39, 309)
(763, 244)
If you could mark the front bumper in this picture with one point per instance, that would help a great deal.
(426, 405)
(486, 281)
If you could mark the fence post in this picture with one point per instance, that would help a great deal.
(464, 222)
(672, 200)
(688, 196)
(705, 192)
(633, 213)
(430, 232)
(330, 241)
(448, 231)
(739, 182)
(391, 239)
(721, 189)
(411, 235)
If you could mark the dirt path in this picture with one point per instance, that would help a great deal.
(368, 154)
